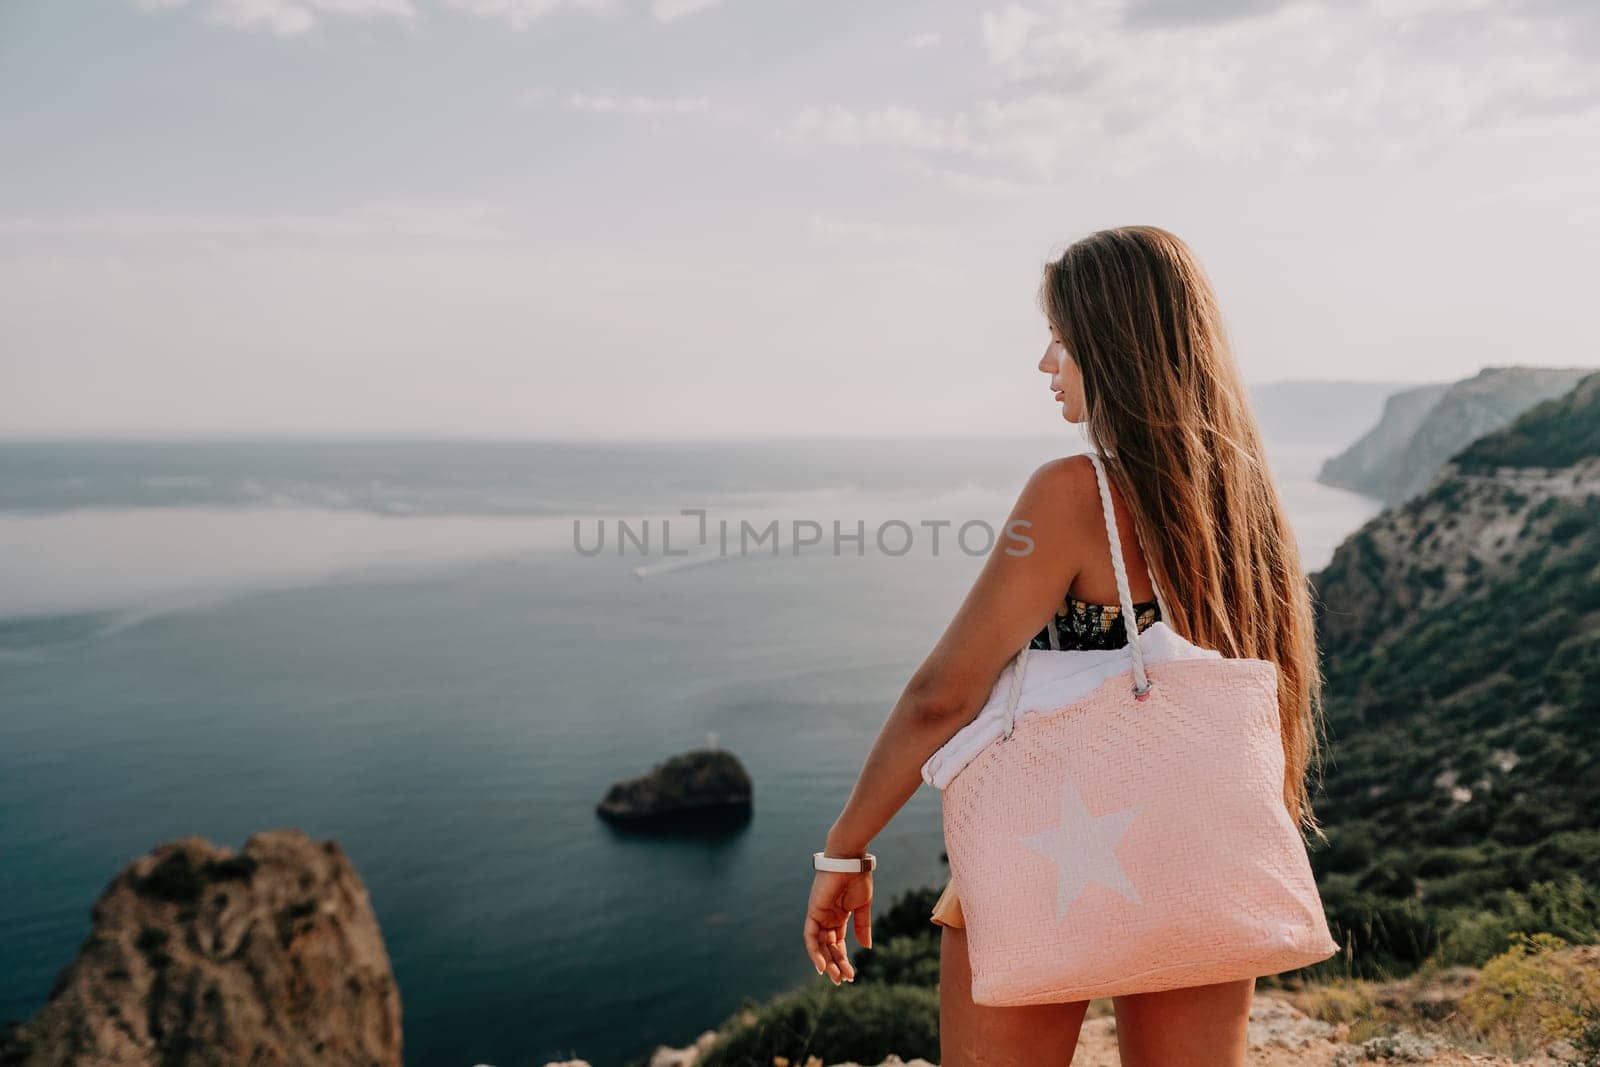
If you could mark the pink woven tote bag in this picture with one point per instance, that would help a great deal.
(1134, 839)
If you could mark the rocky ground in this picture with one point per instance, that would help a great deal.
(1282, 1035)
(1414, 1020)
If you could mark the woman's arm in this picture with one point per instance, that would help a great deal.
(1014, 596)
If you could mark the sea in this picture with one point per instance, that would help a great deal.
(442, 653)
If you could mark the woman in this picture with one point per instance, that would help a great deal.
(1137, 354)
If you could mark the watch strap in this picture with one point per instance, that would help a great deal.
(844, 864)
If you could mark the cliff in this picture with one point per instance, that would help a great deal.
(1422, 427)
(1502, 501)
(1365, 466)
(1461, 635)
(200, 955)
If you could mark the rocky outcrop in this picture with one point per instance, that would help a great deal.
(701, 786)
(1422, 428)
(200, 955)
(1479, 522)
(1367, 465)
(1470, 531)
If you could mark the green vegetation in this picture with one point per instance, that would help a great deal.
(905, 944)
(862, 1023)
(1533, 994)
(1462, 790)
(1555, 433)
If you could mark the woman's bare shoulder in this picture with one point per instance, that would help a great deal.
(1067, 481)
(1060, 497)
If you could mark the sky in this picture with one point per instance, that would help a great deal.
(731, 218)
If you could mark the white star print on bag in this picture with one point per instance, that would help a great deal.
(1083, 848)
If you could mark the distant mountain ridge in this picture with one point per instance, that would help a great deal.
(1491, 508)
(1461, 634)
(1422, 427)
(1363, 466)
(1329, 413)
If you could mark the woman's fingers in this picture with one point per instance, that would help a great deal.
(818, 960)
(814, 945)
(835, 957)
(864, 926)
(825, 947)
(824, 954)
(841, 958)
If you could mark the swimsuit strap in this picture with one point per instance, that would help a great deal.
(1130, 618)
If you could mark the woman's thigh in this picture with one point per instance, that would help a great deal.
(973, 1035)
(1201, 1026)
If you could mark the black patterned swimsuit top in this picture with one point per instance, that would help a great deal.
(1082, 626)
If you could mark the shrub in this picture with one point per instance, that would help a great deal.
(1533, 994)
(1567, 527)
(1337, 1002)
(863, 1023)
(1386, 937)
(1567, 908)
(907, 916)
(1474, 938)
(905, 943)
(905, 960)
(1564, 907)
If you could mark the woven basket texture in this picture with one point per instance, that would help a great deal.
(1120, 846)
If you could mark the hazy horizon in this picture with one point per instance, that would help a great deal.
(651, 219)
(446, 437)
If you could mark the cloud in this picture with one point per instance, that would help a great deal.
(968, 183)
(858, 231)
(643, 106)
(1123, 86)
(451, 221)
(286, 18)
(1006, 32)
(294, 18)
(520, 14)
(672, 10)
(894, 126)
(929, 39)
(637, 106)
(1581, 19)
(1196, 12)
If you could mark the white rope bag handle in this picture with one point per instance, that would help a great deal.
(1130, 621)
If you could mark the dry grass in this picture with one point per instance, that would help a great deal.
(1531, 1003)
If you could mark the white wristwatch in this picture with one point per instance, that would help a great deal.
(844, 864)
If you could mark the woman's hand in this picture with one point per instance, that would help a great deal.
(835, 896)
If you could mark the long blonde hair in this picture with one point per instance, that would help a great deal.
(1167, 409)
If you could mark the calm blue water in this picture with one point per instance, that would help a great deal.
(396, 646)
